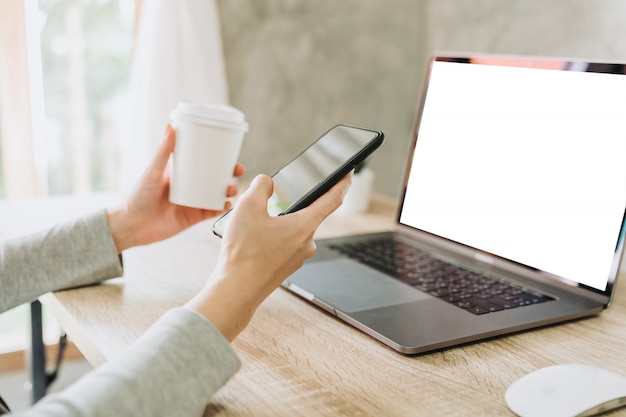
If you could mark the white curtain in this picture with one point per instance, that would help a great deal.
(178, 56)
(21, 98)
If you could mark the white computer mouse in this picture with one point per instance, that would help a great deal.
(565, 391)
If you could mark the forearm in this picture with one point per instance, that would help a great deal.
(173, 370)
(225, 306)
(76, 253)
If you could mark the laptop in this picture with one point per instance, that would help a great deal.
(512, 214)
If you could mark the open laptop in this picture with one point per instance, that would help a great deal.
(512, 214)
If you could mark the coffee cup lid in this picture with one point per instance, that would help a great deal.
(219, 113)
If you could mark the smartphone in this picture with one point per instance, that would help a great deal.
(316, 169)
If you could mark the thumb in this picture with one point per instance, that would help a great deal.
(162, 155)
(260, 190)
(327, 203)
(250, 205)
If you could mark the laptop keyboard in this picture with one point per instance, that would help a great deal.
(471, 291)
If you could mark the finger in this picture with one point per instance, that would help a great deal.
(263, 185)
(232, 190)
(162, 155)
(312, 247)
(260, 190)
(240, 169)
(327, 202)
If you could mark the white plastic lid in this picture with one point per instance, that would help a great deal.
(220, 114)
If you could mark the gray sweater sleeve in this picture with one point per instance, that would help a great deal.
(172, 370)
(72, 254)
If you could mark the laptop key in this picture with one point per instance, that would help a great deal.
(491, 307)
(504, 303)
(477, 310)
(463, 304)
(451, 298)
(439, 292)
(428, 287)
(532, 298)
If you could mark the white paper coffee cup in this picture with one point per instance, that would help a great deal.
(208, 141)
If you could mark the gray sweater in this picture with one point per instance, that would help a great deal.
(172, 370)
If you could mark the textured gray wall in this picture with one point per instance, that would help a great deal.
(569, 28)
(298, 67)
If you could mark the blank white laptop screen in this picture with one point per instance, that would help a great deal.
(527, 164)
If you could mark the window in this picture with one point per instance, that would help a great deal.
(77, 55)
(86, 49)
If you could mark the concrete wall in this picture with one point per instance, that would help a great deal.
(297, 67)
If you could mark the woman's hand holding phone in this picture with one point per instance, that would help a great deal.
(259, 252)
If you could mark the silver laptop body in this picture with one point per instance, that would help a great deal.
(517, 175)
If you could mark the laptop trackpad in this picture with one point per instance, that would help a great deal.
(350, 286)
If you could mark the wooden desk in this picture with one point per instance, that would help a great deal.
(299, 360)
